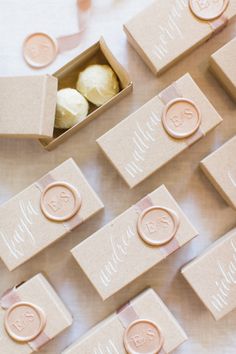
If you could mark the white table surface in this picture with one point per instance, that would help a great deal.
(22, 162)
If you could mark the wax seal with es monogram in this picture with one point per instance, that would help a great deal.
(157, 225)
(208, 9)
(24, 321)
(143, 337)
(60, 201)
(181, 118)
(41, 49)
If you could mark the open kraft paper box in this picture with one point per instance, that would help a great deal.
(144, 143)
(28, 104)
(134, 242)
(109, 335)
(168, 29)
(222, 64)
(212, 275)
(31, 314)
(44, 212)
(220, 168)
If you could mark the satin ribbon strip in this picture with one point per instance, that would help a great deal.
(70, 224)
(170, 93)
(71, 41)
(10, 298)
(127, 315)
(169, 247)
(218, 25)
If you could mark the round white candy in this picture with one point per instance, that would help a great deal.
(71, 108)
(98, 83)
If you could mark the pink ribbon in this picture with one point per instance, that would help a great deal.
(71, 41)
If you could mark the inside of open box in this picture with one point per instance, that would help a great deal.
(68, 75)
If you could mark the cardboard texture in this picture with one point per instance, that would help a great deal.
(222, 64)
(116, 255)
(212, 276)
(167, 30)
(39, 292)
(220, 168)
(107, 336)
(27, 106)
(144, 144)
(67, 76)
(25, 230)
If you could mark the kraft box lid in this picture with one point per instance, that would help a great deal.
(44, 212)
(222, 64)
(220, 168)
(28, 106)
(134, 242)
(212, 275)
(147, 140)
(109, 336)
(31, 314)
(169, 29)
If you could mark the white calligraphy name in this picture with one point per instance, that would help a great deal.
(21, 233)
(171, 31)
(142, 141)
(232, 178)
(118, 255)
(108, 348)
(227, 282)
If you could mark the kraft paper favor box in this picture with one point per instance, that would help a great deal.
(213, 276)
(222, 65)
(169, 29)
(220, 168)
(142, 143)
(44, 212)
(67, 76)
(31, 314)
(28, 103)
(109, 335)
(134, 242)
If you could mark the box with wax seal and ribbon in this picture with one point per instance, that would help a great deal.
(162, 128)
(31, 314)
(169, 29)
(143, 326)
(44, 212)
(134, 242)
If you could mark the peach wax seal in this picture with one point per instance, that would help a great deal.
(181, 118)
(143, 337)
(40, 50)
(60, 201)
(208, 9)
(157, 225)
(24, 321)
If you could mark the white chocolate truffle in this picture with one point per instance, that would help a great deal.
(71, 108)
(98, 83)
